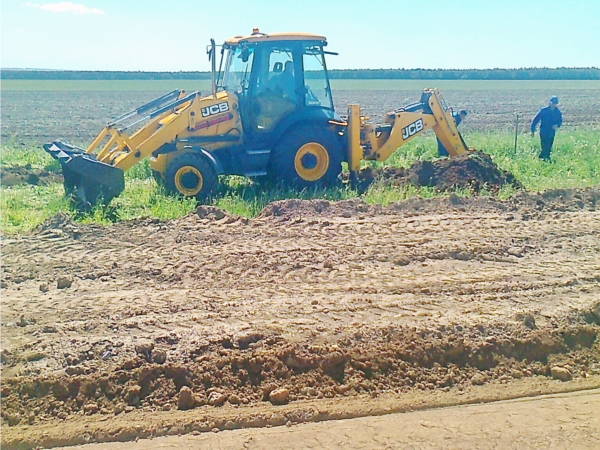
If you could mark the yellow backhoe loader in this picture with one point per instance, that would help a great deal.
(270, 113)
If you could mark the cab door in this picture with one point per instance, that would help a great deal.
(275, 92)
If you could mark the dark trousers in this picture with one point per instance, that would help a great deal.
(546, 139)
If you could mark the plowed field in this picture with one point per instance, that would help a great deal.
(313, 310)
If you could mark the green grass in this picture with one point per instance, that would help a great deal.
(11, 156)
(576, 163)
(575, 159)
(25, 207)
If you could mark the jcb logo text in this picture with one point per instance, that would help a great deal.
(412, 129)
(215, 109)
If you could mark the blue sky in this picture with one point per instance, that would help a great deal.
(171, 35)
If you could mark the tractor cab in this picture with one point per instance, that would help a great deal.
(275, 77)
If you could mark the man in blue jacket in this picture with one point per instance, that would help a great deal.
(550, 119)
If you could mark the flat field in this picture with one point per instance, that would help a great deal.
(312, 310)
(35, 112)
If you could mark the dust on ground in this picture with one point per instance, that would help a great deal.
(214, 321)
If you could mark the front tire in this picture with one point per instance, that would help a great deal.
(191, 175)
(306, 157)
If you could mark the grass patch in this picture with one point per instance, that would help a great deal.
(11, 156)
(575, 158)
(576, 163)
(23, 208)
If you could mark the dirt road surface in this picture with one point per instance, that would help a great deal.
(153, 328)
(564, 421)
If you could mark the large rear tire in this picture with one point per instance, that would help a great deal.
(306, 157)
(191, 175)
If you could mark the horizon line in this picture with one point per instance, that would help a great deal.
(25, 69)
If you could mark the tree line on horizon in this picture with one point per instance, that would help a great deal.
(543, 73)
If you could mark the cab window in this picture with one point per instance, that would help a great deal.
(238, 68)
(317, 89)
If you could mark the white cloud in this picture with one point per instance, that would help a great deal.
(66, 7)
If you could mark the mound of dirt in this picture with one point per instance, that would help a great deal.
(525, 204)
(62, 225)
(14, 176)
(298, 208)
(473, 170)
(559, 199)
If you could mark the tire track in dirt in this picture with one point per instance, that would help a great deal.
(318, 299)
(296, 262)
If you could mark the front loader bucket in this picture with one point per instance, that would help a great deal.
(87, 180)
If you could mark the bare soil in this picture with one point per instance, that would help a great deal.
(473, 170)
(560, 421)
(489, 110)
(13, 176)
(314, 310)
(31, 118)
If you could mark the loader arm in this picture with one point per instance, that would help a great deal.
(163, 125)
(98, 171)
(378, 142)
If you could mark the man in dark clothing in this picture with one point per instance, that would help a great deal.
(285, 80)
(458, 118)
(550, 119)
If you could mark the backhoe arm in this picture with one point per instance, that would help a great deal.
(378, 142)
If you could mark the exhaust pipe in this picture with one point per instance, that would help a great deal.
(213, 60)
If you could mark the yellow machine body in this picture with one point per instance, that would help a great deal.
(196, 117)
(245, 128)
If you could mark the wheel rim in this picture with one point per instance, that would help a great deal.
(188, 181)
(311, 161)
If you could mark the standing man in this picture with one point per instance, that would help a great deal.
(458, 118)
(550, 119)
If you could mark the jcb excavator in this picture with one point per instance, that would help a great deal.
(259, 120)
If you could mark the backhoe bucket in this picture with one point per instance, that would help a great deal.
(87, 180)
